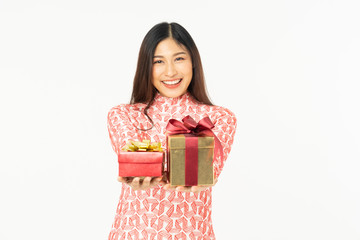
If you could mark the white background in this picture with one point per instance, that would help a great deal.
(289, 70)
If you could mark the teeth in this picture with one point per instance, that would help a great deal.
(173, 82)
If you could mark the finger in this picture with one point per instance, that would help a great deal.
(197, 189)
(128, 179)
(169, 187)
(121, 179)
(146, 183)
(183, 189)
(135, 184)
(156, 181)
(162, 182)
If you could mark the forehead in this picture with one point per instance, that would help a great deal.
(169, 46)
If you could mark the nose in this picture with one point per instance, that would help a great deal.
(171, 70)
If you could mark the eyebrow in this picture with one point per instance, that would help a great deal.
(178, 53)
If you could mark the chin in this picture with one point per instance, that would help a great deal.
(172, 94)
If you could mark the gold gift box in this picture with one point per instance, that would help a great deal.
(176, 160)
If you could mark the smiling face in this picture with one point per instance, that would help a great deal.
(172, 68)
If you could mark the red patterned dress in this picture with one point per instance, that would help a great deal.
(158, 213)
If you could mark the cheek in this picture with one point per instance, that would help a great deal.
(156, 72)
(188, 77)
(188, 70)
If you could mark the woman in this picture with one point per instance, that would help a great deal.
(168, 84)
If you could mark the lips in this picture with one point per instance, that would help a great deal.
(172, 82)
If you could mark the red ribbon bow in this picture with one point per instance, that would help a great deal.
(189, 125)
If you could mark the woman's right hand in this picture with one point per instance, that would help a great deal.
(137, 184)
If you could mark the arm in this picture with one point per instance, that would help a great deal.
(121, 130)
(119, 127)
(225, 127)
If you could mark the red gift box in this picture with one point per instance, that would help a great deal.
(141, 164)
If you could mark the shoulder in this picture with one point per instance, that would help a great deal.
(222, 111)
(122, 109)
(118, 110)
(222, 114)
(125, 112)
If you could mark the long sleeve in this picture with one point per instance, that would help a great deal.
(225, 127)
(119, 127)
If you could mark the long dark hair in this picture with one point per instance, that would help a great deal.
(143, 89)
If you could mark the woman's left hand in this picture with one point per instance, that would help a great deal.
(194, 189)
(137, 183)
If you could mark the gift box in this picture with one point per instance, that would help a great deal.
(140, 164)
(190, 160)
(140, 159)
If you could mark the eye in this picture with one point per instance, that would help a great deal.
(158, 61)
(179, 58)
